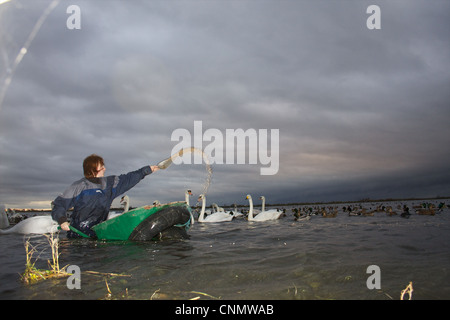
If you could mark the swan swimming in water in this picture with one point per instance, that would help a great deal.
(39, 224)
(263, 207)
(220, 216)
(235, 212)
(186, 196)
(125, 201)
(218, 209)
(263, 216)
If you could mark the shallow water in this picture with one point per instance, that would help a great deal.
(322, 258)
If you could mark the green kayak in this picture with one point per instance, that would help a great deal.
(170, 220)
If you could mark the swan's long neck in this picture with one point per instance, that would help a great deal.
(250, 212)
(186, 198)
(202, 213)
(126, 207)
(125, 201)
(4, 222)
(263, 207)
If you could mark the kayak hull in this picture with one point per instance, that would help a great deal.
(147, 223)
(156, 225)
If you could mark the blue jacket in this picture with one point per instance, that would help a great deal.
(92, 198)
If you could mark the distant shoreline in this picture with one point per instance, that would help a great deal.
(24, 210)
(343, 202)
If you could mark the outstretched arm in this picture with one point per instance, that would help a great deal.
(127, 181)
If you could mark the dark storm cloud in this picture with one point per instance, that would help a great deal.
(362, 113)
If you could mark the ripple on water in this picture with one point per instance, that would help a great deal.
(317, 259)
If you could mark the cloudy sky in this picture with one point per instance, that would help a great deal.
(361, 113)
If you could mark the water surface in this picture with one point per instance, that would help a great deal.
(323, 258)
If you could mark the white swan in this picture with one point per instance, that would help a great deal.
(263, 216)
(186, 196)
(125, 201)
(263, 206)
(235, 212)
(218, 209)
(214, 217)
(39, 224)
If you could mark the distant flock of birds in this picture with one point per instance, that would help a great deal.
(305, 212)
(358, 210)
(44, 223)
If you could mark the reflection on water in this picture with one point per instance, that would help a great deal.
(284, 259)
